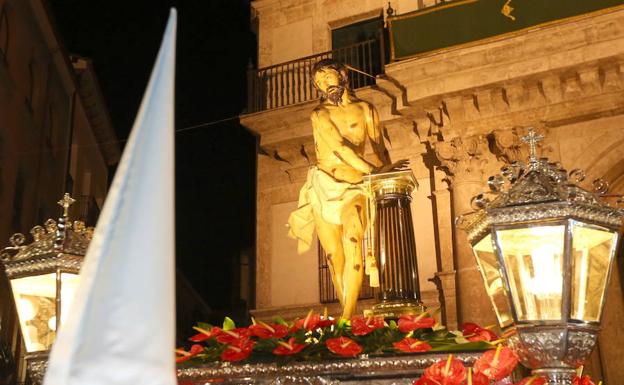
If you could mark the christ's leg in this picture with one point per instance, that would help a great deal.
(353, 227)
(330, 236)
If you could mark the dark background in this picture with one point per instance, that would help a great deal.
(215, 163)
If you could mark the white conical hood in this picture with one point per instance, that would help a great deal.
(121, 326)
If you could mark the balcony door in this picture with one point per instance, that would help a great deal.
(360, 45)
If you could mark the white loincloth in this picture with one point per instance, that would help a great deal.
(325, 195)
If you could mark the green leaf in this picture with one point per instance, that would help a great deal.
(437, 327)
(477, 345)
(461, 340)
(393, 325)
(228, 324)
(204, 325)
(280, 321)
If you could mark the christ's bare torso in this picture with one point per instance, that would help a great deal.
(351, 121)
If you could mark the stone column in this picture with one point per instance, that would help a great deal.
(446, 276)
(464, 160)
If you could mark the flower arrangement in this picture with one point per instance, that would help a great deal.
(318, 337)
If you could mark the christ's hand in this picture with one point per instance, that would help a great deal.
(398, 165)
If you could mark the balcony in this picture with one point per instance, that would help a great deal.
(411, 35)
(290, 83)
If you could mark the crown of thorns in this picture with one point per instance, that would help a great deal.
(330, 64)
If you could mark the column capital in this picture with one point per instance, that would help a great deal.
(463, 158)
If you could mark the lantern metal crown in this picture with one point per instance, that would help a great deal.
(57, 244)
(538, 182)
(545, 249)
(44, 278)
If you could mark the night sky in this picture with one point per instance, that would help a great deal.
(215, 164)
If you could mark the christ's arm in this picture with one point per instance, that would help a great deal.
(381, 156)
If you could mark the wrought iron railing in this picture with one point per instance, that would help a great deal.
(290, 83)
(327, 292)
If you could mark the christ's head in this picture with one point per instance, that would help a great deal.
(330, 78)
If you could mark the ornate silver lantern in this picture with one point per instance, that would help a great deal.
(44, 277)
(545, 248)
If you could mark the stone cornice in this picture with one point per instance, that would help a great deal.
(594, 89)
(263, 4)
(542, 49)
(290, 122)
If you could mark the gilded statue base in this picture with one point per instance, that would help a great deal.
(394, 309)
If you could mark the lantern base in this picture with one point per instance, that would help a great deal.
(556, 376)
(563, 346)
(394, 309)
(554, 350)
(37, 363)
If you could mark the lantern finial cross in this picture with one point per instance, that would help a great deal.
(65, 203)
(532, 138)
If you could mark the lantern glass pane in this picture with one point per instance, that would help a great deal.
(494, 286)
(69, 283)
(35, 297)
(533, 258)
(593, 250)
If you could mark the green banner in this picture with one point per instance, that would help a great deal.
(460, 22)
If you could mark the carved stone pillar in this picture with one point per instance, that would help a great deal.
(445, 277)
(464, 160)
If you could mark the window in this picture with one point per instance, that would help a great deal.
(361, 45)
(93, 212)
(18, 201)
(52, 134)
(32, 91)
(4, 32)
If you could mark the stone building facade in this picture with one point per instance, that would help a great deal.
(55, 135)
(55, 131)
(457, 114)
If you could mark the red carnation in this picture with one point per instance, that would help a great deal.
(361, 326)
(184, 355)
(263, 330)
(288, 348)
(204, 334)
(237, 351)
(410, 322)
(469, 328)
(234, 335)
(474, 332)
(483, 335)
(343, 346)
(411, 345)
(584, 380)
(497, 364)
(533, 380)
(310, 322)
(447, 372)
